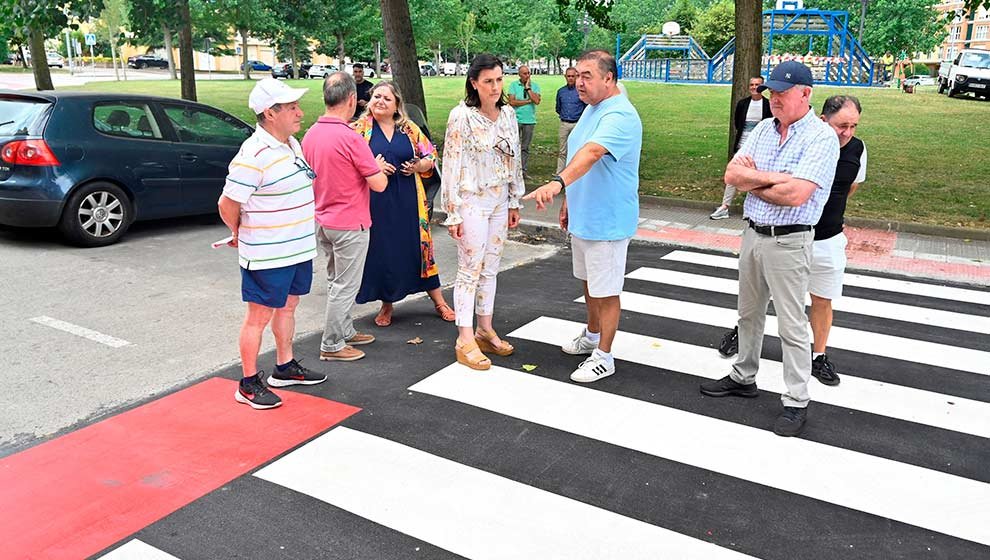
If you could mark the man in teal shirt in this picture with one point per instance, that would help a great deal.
(524, 96)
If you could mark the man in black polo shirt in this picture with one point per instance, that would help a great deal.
(363, 89)
(828, 263)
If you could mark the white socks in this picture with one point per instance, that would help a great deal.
(594, 337)
(605, 356)
(816, 354)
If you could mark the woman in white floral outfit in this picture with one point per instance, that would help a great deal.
(482, 184)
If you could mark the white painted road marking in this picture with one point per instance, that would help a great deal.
(137, 550)
(883, 309)
(859, 280)
(936, 501)
(856, 393)
(80, 331)
(908, 349)
(468, 511)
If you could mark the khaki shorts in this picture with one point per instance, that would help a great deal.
(602, 264)
(828, 264)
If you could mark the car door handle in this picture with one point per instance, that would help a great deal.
(189, 157)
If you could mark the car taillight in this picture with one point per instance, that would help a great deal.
(28, 152)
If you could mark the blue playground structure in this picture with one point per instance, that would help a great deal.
(840, 60)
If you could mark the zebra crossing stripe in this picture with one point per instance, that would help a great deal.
(882, 309)
(468, 511)
(895, 401)
(137, 550)
(910, 494)
(849, 279)
(888, 346)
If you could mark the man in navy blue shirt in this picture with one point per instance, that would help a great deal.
(569, 109)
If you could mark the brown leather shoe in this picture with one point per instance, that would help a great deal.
(361, 338)
(345, 354)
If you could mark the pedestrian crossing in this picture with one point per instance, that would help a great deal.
(520, 463)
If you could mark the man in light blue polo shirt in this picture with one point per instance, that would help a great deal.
(601, 210)
(786, 166)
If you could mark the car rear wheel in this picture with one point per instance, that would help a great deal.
(97, 214)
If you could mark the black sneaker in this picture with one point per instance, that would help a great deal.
(824, 371)
(790, 422)
(726, 387)
(295, 374)
(253, 392)
(730, 343)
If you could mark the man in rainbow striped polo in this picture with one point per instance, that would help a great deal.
(267, 203)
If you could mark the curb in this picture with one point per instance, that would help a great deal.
(865, 223)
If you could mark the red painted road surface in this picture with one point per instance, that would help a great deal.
(82, 492)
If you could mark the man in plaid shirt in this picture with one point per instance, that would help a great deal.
(786, 167)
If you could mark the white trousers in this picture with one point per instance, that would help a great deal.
(479, 251)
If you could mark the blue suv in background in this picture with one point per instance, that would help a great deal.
(91, 164)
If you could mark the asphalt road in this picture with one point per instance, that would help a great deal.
(163, 291)
(405, 454)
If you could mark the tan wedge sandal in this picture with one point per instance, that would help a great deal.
(470, 355)
(483, 338)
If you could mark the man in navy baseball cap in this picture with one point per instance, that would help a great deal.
(787, 75)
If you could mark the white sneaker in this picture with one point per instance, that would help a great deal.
(581, 345)
(720, 213)
(592, 369)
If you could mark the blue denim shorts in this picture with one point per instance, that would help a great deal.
(272, 287)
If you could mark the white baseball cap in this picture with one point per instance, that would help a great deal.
(270, 92)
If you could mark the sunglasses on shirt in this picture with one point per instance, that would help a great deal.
(301, 164)
(504, 147)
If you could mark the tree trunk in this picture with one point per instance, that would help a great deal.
(245, 69)
(340, 50)
(402, 51)
(187, 69)
(748, 58)
(39, 62)
(113, 60)
(292, 60)
(167, 36)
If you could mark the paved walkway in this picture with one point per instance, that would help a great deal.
(915, 255)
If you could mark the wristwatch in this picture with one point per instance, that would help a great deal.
(557, 178)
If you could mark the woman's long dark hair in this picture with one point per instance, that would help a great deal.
(483, 61)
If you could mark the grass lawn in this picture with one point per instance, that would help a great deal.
(928, 159)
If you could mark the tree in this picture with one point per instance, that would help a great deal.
(402, 51)
(113, 19)
(749, 52)
(187, 69)
(893, 25)
(715, 26)
(34, 20)
(685, 14)
(465, 34)
(154, 23)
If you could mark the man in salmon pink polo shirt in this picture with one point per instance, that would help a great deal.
(345, 170)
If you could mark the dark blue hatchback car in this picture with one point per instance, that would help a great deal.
(93, 163)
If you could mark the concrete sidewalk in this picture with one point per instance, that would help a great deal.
(940, 254)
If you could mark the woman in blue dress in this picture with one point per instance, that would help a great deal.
(400, 254)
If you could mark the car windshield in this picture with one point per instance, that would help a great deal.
(975, 60)
(22, 116)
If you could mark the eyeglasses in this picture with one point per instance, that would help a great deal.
(301, 164)
(503, 146)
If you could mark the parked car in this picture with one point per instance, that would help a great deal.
(256, 65)
(142, 61)
(969, 71)
(510, 69)
(55, 60)
(452, 69)
(427, 70)
(284, 70)
(919, 80)
(91, 163)
(321, 70)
